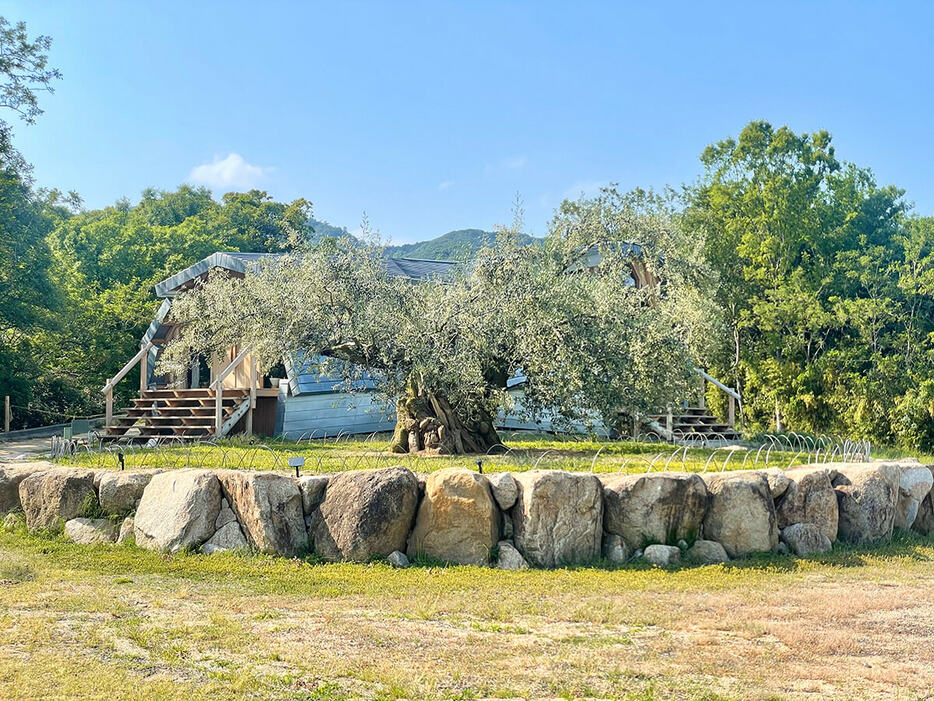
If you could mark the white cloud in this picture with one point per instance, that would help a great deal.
(445, 185)
(230, 172)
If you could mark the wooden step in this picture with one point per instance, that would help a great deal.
(190, 393)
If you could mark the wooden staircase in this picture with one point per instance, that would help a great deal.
(186, 414)
(696, 424)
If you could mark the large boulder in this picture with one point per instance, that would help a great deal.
(178, 510)
(54, 496)
(91, 531)
(740, 513)
(269, 507)
(365, 513)
(458, 520)
(867, 496)
(924, 521)
(805, 539)
(10, 478)
(120, 492)
(913, 486)
(658, 507)
(558, 517)
(809, 498)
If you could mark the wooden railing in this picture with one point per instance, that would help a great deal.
(142, 358)
(732, 394)
(218, 387)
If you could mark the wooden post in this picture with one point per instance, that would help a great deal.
(109, 410)
(218, 408)
(196, 373)
(731, 417)
(669, 424)
(249, 413)
(702, 401)
(7, 415)
(144, 371)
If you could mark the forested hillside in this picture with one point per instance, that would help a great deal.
(454, 245)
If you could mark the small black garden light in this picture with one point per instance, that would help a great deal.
(297, 462)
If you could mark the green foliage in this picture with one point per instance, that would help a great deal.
(825, 281)
(513, 309)
(107, 261)
(27, 294)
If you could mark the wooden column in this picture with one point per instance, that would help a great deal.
(7, 414)
(669, 424)
(109, 407)
(732, 411)
(702, 400)
(249, 413)
(218, 408)
(144, 371)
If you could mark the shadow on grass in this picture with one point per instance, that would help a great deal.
(264, 570)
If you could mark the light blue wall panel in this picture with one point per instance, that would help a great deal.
(333, 413)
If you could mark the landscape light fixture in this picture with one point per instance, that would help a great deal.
(480, 466)
(297, 462)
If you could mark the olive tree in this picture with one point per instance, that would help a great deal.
(565, 315)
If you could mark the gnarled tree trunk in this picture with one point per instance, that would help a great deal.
(426, 422)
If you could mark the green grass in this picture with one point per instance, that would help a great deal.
(108, 622)
(524, 451)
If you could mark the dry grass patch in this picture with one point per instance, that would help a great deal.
(95, 621)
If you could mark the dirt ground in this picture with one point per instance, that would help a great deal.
(79, 622)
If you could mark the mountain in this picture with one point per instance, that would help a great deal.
(462, 244)
(322, 230)
(454, 245)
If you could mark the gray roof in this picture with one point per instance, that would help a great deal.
(237, 262)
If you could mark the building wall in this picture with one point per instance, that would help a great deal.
(330, 413)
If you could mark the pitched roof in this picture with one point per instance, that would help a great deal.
(238, 262)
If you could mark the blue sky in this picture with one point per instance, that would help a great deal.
(431, 116)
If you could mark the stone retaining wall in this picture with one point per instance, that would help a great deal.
(512, 521)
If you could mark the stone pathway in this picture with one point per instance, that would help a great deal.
(24, 449)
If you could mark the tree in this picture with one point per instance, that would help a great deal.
(27, 296)
(107, 261)
(24, 63)
(588, 342)
(803, 244)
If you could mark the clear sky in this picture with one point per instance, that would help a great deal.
(431, 116)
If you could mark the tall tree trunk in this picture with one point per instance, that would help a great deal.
(426, 422)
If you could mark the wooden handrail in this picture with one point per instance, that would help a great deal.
(218, 387)
(143, 350)
(713, 380)
(108, 390)
(230, 368)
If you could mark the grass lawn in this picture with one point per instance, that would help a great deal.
(118, 622)
(524, 451)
